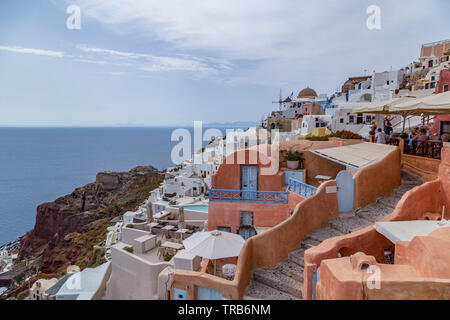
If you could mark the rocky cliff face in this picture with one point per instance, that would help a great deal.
(67, 229)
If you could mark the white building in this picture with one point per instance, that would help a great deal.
(314, 121)
(344, 119)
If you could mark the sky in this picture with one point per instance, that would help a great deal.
(153, 62)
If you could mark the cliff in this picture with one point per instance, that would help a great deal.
(67, 229)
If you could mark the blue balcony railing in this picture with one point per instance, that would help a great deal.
(303, 189)
(249, 196)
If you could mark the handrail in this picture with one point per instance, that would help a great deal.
(303, 189)
(425, 148)
(255, 196)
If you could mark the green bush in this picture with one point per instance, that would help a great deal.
(129, 249)
(130, 226)
(316, 138)
(294, 156)
(346, 135)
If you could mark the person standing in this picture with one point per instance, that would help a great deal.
(380, 137)
(387, 126)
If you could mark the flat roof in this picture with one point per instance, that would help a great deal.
(356, 155)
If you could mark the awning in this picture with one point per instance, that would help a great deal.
(434, 104)
(356, 156)
(383, 107)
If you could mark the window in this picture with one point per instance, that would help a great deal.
(341, 120)
(446, 88)
(426, 85)
(351, 119)
(359, 119)
(387, 82)
(246, 219)
(224, 229)
(433, 85)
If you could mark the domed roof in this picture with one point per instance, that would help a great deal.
(307, 93)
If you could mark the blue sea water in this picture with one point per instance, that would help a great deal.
(38, 165)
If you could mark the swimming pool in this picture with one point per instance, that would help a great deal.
(199, 207)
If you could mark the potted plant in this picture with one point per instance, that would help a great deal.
(294, 159)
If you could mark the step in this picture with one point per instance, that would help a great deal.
(390, 201)
(297, 256)
(291, 269)
(410, 178)
(324, 233)
(404, 188)
(374, 212)
(259, 291)
(279, 281)
(349, 225)
(309, 243)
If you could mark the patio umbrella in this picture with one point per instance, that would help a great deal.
(381, 107)
(434, 104)
(214, 245)
(391, 107)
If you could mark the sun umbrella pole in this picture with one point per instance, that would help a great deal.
(404, 122)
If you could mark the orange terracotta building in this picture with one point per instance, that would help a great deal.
(248, 195)
(420, 266)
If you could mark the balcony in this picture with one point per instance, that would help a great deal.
(427, 149)
(276, 197)
(300, 188)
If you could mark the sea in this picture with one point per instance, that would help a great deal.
(39, 165)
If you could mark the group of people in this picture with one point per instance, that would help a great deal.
(381, 136)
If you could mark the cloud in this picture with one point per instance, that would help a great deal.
(38, 52)
(153, 63)
(292, 42)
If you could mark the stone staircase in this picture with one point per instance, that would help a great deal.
(285, 282)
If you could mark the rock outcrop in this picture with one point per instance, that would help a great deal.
(67, 229)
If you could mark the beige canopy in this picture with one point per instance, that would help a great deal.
(434, 104)
(356, 155)
(382, 107)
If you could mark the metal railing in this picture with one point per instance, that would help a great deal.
(249, 196)
(427, 149)
(302, 189)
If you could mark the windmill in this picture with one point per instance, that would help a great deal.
(281, 101)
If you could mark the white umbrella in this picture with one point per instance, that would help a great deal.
(434, 104)
(214, 245)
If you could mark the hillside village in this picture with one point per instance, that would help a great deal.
(308, 229)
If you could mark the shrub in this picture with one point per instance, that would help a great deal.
(167, 257)
(130, 226)
(294, 156)
(316, 138)
(129, 249)
(346, 135)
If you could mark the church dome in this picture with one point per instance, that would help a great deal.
(307, 93)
